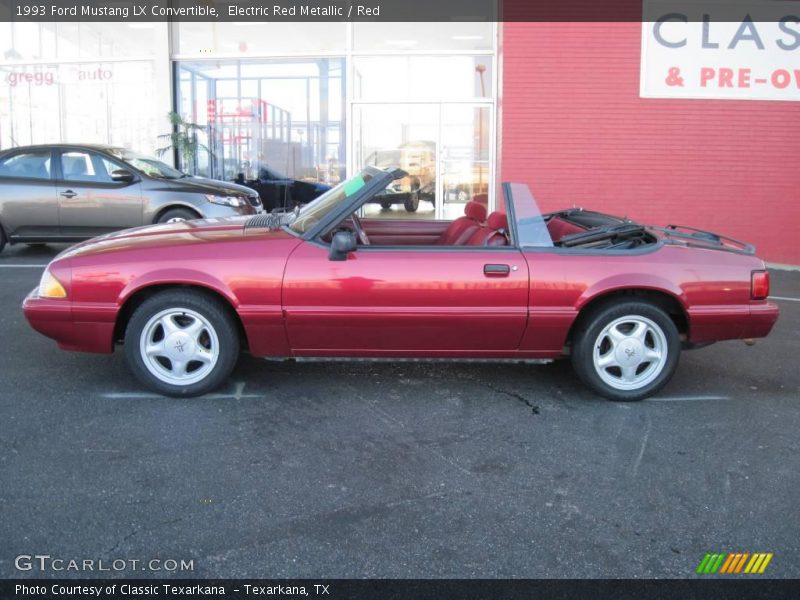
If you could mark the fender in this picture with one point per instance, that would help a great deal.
(627, 281)
(549, 325)
(265, 334)
(173, 276)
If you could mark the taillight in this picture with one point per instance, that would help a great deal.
(759, 285)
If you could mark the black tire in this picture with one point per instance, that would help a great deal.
(175, 214)
(587, 335)
(2, 239)
(213, 311)
(411, 203)
(386, 205)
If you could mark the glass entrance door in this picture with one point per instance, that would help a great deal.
(443, 146)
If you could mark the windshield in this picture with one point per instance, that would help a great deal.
(152, 167)
(313, 212)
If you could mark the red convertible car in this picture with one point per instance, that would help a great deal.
(620, 299)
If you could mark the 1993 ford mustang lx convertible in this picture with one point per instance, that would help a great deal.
(620, 299)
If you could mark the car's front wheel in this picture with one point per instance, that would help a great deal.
(411, 204)
(176, 215)
(626, 350)
(181, 343)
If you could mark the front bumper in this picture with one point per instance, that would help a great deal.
(56, 320)
(214, 211)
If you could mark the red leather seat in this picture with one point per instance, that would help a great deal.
(558, 228)
(494, 233)
(459, 231)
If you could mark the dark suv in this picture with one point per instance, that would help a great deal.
(65, 193)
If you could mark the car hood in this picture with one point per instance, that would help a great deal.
(168, 235)
(202, 185)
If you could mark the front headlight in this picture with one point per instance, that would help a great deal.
(234, 201)
(50, 287)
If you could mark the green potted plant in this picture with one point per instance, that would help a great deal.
(183, 140)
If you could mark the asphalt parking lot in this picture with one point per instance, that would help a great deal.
(397, 470)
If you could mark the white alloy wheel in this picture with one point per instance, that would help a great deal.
(630, 352)
(179, 346)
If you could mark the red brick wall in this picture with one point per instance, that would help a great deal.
(574, 128)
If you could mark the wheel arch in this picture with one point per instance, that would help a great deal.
(175, 206)
(135, 297)
(667, 300)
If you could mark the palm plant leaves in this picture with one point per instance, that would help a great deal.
(183, 139)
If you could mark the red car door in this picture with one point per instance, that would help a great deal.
(397, 301)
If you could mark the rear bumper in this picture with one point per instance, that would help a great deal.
(717, 323)
(55, 319)
(762, 319)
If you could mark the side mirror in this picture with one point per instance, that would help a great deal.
(342, 244)
(121, 176)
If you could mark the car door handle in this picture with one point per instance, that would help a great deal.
(496, 270)
(69, 194)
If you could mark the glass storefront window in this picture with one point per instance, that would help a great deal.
(405, 136)
(466, 131)
(254, 38)
(389, 38)
(26, 41)
(422, 77)
(267, 117)
(298, 103)
(430, 142)
(82, 82)
(108, 103)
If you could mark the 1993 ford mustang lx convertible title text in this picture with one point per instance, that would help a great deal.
(619, 298)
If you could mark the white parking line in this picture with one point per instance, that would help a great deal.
(688, 398)
(145, 396)
(22, 266)
(784, 298)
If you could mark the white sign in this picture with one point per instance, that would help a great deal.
(721, 50)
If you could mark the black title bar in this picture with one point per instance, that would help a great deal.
(399, 589)
(399, 10)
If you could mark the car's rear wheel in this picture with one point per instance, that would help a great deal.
(386, 205)
(626, 350)
(176, 215)
(181, 343)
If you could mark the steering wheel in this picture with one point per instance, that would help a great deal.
(362, 235)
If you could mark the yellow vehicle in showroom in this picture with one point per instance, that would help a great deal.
(418, 159)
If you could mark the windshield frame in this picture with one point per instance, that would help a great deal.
(379, 179)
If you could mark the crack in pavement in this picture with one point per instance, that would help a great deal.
(534, 408)
(139, 529)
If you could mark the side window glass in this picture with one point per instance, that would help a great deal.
(28, 165)
(107, 167)
(81, 166)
